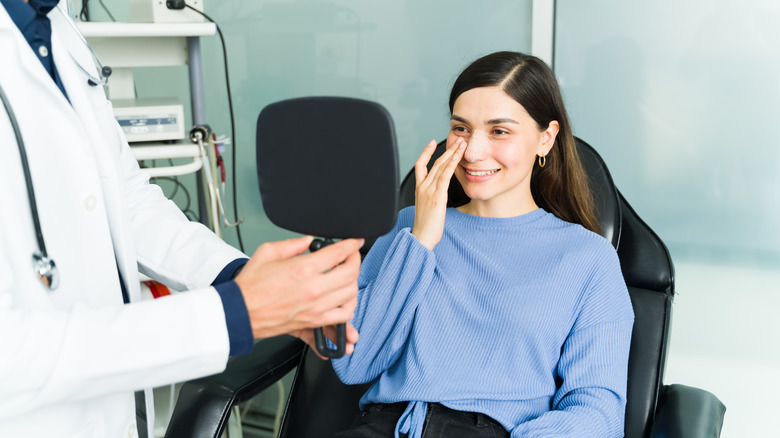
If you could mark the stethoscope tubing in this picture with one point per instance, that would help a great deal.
(103, 71)
(43, 266)
(26, 169)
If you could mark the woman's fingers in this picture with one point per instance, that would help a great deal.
(431, 195)
(421, 165)
(421, 171)
(448, 169)
(444, 167)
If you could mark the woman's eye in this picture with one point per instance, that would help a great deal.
(500, 132)
(459, 129)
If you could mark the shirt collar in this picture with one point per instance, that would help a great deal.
(21, 13)
(42, 7)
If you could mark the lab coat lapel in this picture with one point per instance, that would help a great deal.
(96, 117)
(32, 67)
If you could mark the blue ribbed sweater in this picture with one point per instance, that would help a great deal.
(525, 319)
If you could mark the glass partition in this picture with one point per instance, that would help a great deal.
(404, 55)
(681, 99)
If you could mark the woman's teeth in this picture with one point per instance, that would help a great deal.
(481, 172)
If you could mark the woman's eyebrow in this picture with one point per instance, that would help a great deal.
(500, 121)
(489, 122)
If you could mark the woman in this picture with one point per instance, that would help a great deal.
(504, 314)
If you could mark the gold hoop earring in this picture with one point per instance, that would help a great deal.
(542, 160)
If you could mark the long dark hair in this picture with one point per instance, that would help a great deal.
(561, 186)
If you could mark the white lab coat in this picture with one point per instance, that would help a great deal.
(70, 359)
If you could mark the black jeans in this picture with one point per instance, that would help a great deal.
(378, 421)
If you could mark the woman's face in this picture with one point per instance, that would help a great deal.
(503, 143)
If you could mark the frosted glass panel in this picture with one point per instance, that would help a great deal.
(404, 55)
(682, 98)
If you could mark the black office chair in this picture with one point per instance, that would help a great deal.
(319, 404)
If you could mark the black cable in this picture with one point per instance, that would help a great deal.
(107, 11)
(84, 14)
(191, 215)
(232, 124)
(177, 185)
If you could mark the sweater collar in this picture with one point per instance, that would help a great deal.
(515, 221)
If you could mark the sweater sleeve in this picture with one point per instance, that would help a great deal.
(593, 367)
(393, 279)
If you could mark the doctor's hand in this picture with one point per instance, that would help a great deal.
(430, 204)
(286, 292)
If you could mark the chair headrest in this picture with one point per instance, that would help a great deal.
(644, 259)
(605, 195)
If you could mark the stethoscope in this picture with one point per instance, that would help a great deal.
(103, 71)
(43, 265)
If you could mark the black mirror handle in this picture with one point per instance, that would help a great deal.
(319, 337)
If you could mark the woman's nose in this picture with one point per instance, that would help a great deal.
(476, 148)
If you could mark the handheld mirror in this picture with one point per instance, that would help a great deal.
(328, 167)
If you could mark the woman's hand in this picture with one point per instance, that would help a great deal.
(430, 203)
(307, 336)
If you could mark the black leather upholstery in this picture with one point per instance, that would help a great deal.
(647, 358)
(315, 387)
(646, 261)
(680, 413)
(319, 404)
(605, 196)
(204, 405)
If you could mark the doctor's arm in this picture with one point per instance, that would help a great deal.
(180, 253)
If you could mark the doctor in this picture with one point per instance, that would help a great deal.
(77, 343)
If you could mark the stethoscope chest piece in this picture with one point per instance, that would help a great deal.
(46, 270)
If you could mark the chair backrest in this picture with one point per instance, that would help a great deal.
(649, 273)
(327, 405)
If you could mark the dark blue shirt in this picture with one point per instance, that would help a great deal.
(32, 21)
(236, 315)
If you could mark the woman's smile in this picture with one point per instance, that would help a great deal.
(476, 175)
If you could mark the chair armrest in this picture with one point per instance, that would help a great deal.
(203, 406)
(686, 412)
